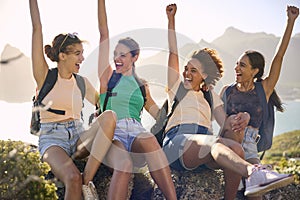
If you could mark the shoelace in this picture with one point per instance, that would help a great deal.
(258, 167)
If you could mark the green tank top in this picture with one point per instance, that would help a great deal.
(127, 100)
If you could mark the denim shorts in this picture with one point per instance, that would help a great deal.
(250, 143)
(127, 130)
(64, 135)
(175, 140)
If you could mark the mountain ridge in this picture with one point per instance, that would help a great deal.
(230, 45)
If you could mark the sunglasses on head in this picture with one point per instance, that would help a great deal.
(71, 35)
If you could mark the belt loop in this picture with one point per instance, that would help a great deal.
(257, 138)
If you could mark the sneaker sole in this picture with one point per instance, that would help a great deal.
(264, 188)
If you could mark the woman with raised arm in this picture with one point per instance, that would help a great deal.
(127, 100)
(188, 143)
(244, 95)
(62, 137)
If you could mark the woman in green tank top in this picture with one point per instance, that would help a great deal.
(132, 143)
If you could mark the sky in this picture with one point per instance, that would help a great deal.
(196, 19)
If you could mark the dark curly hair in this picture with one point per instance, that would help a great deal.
(211, 63)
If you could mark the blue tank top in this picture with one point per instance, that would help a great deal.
(238, 101)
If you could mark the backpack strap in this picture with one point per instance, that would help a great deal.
(114, 80)
(81, 84)
(226, 93)
(262, 97)
(49, 83)
(209, 98)
(266, 129)
(181, 92)
(141, 86)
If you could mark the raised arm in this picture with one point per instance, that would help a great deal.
(104, 68)
(173, 62)
(270, 82)
(150, 105)
(39, 64)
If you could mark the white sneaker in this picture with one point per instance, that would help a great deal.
(263, 180)
(89, 192)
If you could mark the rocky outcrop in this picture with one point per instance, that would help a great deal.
(201, 185)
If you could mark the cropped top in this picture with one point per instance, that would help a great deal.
(192, 109)
(249, 101)
(66, 95)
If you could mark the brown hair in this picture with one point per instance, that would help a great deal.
(211, 63)
(131, 44)
(257, 61)
(61, 43)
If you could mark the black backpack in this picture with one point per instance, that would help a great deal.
(158, 129)
(49, 83)
(266, 129)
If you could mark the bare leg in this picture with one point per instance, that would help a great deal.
(97, 139)
(118, 158)
(157, 162)
(65, 170)
(225, 153)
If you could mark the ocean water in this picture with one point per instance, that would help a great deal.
(15, 120)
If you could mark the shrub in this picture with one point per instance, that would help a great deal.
(290, 166)
(22, 173)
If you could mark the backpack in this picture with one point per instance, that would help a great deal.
(49, 83)
(158, 129)
(113, 81)
(266, 129)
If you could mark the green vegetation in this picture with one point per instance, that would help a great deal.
(285, 154)
(22, 173)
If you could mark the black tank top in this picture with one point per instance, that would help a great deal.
(238, 101)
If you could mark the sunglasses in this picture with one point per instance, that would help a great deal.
(71, 35)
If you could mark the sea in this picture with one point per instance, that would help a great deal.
(15, 120)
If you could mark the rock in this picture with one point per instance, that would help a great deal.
(205, 184)
(101, 181)
(201, 185)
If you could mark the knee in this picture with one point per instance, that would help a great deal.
(108, 118)
(73, 178)
(234, 146)
(238, 149)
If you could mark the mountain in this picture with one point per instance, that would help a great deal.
(230, 45)
(16, 80)
(235, 42)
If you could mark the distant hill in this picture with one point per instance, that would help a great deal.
(16, 80)
(285, 144)
(230, 45)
